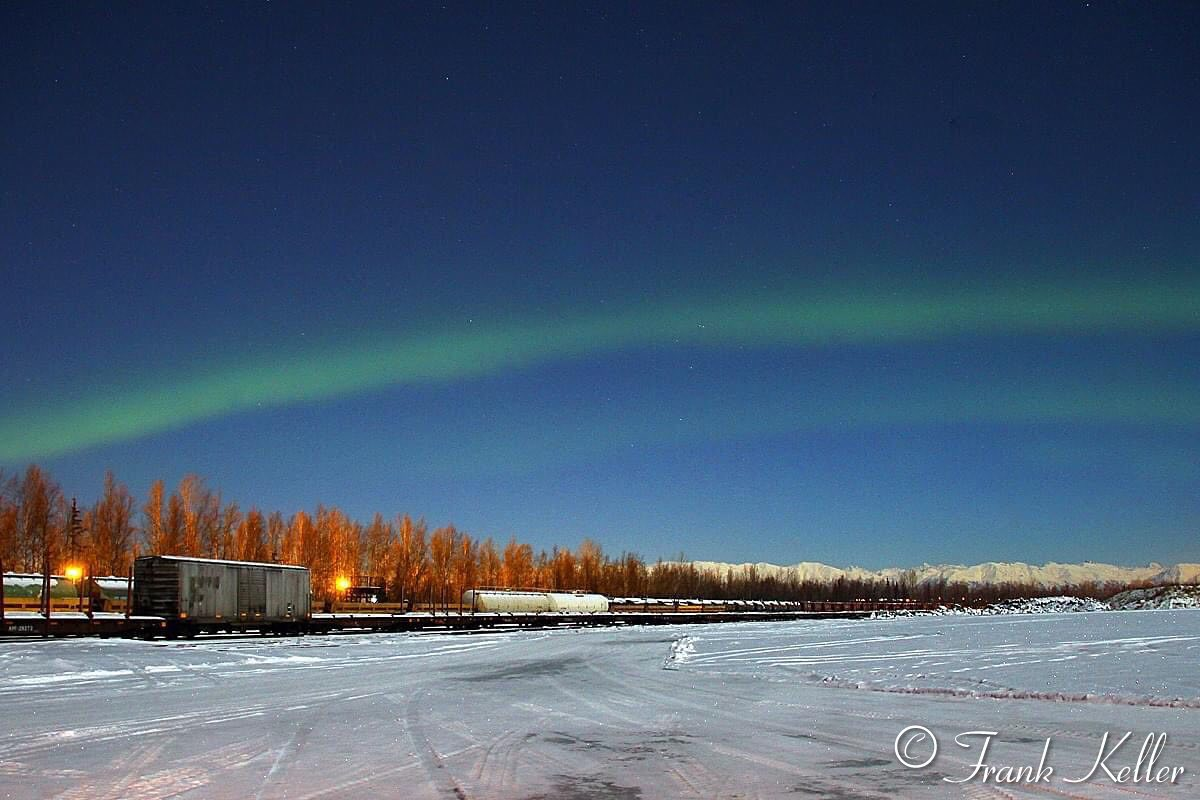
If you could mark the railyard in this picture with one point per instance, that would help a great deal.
(174, 596)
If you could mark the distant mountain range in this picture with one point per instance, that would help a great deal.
(992, 572)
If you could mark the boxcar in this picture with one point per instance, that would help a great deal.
(201, 594)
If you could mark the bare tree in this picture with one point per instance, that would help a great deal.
(8, 520)
(223, 543)
(465, 563)
(112, 532)
(40, 518)
(378, 547)
(251, 537)
(590, 559)
(518, 564)
(441, 556)
(411, 559)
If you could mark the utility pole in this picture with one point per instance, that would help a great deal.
(74, 528)
(45, 583)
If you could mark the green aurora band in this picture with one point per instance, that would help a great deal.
(107, 416)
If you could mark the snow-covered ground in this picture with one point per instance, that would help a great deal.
(797, 709)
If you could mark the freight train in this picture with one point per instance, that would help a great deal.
(182, 596)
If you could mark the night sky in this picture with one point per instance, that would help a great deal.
(851, 282)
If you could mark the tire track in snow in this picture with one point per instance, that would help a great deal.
(441, 780)
(748, 721)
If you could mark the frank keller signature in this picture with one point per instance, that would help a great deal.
(916, 747)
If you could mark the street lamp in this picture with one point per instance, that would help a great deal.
(75, 573)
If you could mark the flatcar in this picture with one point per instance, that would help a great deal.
(201, 595)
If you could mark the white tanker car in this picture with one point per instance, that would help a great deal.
(516, 602)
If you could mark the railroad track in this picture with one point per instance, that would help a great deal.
(29, 628)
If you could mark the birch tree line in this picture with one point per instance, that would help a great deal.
(416, 563)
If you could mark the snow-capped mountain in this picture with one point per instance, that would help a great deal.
(992, 572)
(1180, 573)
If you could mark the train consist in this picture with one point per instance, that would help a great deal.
(180, 596)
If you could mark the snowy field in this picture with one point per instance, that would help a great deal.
(802, 709)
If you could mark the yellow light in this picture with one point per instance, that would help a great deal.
(343, 583)
(74, 573)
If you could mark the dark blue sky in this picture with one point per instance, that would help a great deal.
(861, 283)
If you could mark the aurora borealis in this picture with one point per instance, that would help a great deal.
(753, 285)
(128, 412)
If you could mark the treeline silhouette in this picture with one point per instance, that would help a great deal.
(684, 579)
(417, 564)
